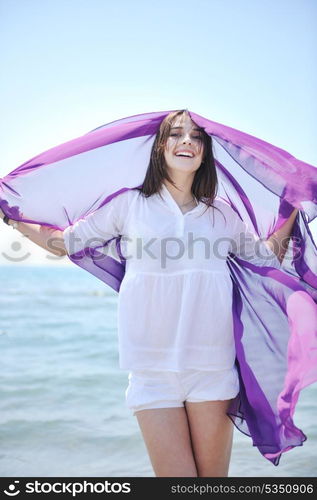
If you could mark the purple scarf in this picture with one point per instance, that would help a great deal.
(274, 308)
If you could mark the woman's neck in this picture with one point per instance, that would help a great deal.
(183, 195)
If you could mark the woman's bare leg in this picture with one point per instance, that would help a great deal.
(166, 435)
(211, 435)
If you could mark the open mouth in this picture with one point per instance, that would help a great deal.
(184, 155)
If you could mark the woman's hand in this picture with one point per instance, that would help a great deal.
(1, 214)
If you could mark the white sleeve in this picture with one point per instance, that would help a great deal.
(100, 226)
(248, 246)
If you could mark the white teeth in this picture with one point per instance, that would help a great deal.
(184, 154)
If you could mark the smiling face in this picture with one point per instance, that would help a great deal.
(184, 147)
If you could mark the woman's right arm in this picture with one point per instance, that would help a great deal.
(97, 227)
(46, 237)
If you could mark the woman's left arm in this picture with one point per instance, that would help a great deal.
(278, 241)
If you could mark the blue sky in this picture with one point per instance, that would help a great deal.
(69, 66)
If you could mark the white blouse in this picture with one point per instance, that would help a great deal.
(175, 300)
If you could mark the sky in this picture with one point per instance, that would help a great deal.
(69, 66)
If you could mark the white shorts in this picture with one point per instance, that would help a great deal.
(167, 389)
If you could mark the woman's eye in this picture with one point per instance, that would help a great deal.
(198, 137)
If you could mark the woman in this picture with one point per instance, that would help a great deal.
(175, 301)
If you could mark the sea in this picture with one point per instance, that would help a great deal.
(62, 393)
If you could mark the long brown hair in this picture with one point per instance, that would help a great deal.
(205, 182)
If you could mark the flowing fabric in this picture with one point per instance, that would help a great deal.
(274, 307)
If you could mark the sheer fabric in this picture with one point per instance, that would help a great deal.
(273, 306)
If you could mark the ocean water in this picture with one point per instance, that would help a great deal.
(62, 393)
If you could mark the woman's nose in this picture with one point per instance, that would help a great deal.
(186, 138)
